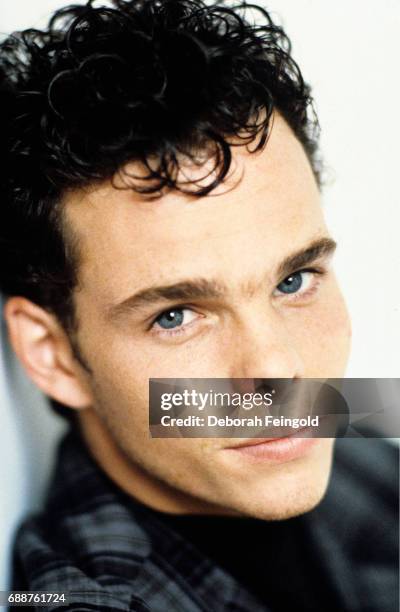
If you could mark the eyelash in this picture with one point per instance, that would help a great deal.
(173, 332)
(183, 328)
(315, 283)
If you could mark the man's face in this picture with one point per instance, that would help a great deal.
(235, 242)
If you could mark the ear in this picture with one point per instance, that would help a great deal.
(44, 350)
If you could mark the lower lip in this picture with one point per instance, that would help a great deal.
(277, 451)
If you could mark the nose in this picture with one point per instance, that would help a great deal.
(264, 348)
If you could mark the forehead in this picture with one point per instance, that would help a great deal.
(127, 242)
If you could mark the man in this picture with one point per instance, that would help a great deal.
(161, 217)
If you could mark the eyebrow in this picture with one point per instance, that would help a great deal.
(317, 249)
(205, 289)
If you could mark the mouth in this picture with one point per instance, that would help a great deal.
(276, 450)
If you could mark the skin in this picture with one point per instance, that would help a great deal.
(238, 235)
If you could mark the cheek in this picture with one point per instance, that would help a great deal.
(142, 359)
(121, 393)
(121, 398)
(323, 334)
(122, 368)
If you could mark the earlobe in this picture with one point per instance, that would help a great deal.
(45, 352)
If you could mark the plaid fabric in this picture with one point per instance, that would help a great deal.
(112, 553)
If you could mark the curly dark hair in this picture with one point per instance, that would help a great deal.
(153, 81)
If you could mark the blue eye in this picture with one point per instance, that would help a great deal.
(170, 318)
(292, 283)
(175, 321)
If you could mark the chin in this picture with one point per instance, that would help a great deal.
(288, 490)
(294, 503)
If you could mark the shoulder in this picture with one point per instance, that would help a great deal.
(89, 541)
(94, 555)
(355, 530)
(366, 473)
(363, 500)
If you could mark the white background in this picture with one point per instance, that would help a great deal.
(349, 51)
